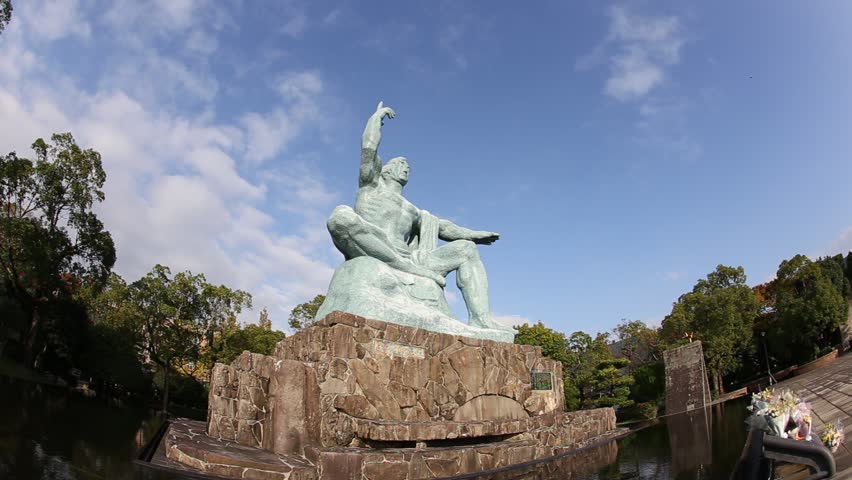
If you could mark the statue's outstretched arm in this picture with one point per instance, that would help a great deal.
(449, 231)
(371, 164)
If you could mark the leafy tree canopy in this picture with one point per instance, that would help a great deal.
(5, 13)
(720, 311)
(254, 338)
(53, 240)
(637, 342)
(809, 307)
(612, 384)
(303, 314)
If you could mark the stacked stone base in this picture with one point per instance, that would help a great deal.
(565, 457)
(354, 396)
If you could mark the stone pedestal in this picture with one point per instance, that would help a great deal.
(357, 397)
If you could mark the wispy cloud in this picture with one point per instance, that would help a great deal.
(296, 25)
(450, 39)
(841, 244)
(512, 320)
(638, 50)
(674, 275)
(49, 21)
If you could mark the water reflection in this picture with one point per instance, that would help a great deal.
(701, 445)
(577, 464)
(690, 433)
(51, 433)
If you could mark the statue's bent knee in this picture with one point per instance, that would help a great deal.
(342, 219)
(468, 249)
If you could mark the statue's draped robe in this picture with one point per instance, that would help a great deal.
(424, 240)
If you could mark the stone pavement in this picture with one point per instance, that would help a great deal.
(829, 391)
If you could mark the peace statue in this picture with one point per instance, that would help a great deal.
(395, 270)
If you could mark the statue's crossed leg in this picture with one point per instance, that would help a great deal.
(357, 237)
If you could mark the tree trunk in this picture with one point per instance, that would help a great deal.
(29, 347)
(165, 389)
(718, 384)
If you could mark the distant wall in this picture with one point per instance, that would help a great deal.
(686, 378)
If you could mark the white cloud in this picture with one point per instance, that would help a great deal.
(450, 38)
(512, 320)
(300, 86)
(159, 16)
(654, 322)
(201, 42)
(53, 20)
(268, 134)
(333, 17)
(641, 49)
(179, 189)
(150, 77)
(841, 244)
(674, 275)
(296, 25)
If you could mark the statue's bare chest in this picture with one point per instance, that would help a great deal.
(386, 209)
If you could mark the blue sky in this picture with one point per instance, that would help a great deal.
(622, 150)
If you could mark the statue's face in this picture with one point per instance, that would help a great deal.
(399, 171)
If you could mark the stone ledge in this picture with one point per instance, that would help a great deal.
(430, 430)
(552, 429)
(186, 443)
(410, 334)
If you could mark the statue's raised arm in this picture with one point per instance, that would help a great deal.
(371, 164)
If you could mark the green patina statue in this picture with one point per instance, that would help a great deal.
(395, 270)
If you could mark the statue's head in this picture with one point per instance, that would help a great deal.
(396, 169)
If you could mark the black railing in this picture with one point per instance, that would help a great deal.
(762, 454)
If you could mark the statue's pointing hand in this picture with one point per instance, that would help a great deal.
(485, 238)
(382, 111)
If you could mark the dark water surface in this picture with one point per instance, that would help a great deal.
(701, 445)
(51, 433)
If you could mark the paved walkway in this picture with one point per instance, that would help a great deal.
(829, 391)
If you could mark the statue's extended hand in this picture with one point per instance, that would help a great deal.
(485, 238)
(382, 111)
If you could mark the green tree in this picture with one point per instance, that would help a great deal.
(264, 322)
(173, 318)
(219, 307)
(833, 269)
(53, 241)
(809, 309)
(5, 13)
(303, 314)
(637, 342)
(552, 343)
(584, 355)
(649, 382)
(554, 346)
(612, 384)
(720, 311)
(254, 338)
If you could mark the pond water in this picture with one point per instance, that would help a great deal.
(51, 433)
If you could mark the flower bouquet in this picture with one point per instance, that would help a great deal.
(773, 411)
(833, 436)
